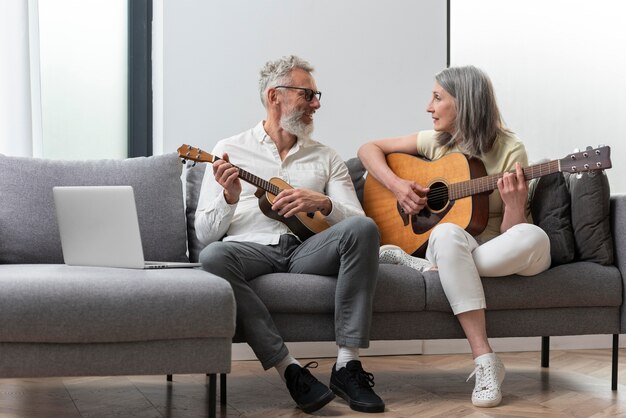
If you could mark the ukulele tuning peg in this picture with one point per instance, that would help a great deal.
(591, 173)
(194, 164)
(589, 148)
(183, 161)
(579, 175)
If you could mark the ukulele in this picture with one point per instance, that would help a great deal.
(303, 224)
(459, 193)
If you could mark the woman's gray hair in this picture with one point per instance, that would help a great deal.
(478, 121)
(276, 73)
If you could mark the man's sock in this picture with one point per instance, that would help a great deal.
(345, 354)
(284, 363)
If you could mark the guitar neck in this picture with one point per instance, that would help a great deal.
(489, 183)
(250, 178)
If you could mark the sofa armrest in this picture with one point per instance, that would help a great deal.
(618, 228)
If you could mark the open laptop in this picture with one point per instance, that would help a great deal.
(99, 227)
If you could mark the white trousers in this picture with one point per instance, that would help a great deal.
(524, 249)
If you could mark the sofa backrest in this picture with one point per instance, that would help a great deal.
(28, 226)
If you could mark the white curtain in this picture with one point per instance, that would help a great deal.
(16, 127)
(71, 80)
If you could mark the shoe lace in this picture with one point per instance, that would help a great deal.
(363, 379)
(305, 379)
(485, 377)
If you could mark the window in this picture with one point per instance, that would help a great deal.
(94, 95)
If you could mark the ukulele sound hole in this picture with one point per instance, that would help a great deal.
(438, 196)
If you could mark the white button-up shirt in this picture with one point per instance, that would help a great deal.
(309, 165)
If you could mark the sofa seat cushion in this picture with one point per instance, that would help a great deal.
(579, 284)
(399, 289)
(49, 303)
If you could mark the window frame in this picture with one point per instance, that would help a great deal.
(140, 111)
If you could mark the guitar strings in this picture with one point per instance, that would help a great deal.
(484, 184)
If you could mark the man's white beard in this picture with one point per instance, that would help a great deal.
(293, 124)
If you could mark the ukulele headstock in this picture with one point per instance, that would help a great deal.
(187, 152)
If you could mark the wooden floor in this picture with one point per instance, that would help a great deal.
(577, 384)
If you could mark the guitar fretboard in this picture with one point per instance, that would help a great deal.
(489, 183)
(258, 182)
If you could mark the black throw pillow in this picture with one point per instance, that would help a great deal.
(591, 210)
(550, 209)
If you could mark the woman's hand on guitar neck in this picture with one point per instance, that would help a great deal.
(227, 175)
(291, 201)
(513, 190)
(410, 195)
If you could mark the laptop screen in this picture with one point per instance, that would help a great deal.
(98, 226)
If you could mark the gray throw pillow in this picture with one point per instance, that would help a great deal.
(193, 182)
(357, 173)
(28, 219)
(590, 197)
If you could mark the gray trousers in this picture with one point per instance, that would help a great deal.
(348, 250)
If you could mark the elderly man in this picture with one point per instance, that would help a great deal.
(244, 243)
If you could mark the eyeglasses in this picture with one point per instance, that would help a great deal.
(308, 93)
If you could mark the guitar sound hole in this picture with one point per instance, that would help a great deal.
(438, 196)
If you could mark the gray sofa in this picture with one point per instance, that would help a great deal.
(60, 320)
(579, 296)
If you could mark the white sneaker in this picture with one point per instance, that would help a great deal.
(489, 373)
(392, 254)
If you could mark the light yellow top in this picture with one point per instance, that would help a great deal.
(507, 150)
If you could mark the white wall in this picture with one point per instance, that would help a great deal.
(374, 61)
(557, 67)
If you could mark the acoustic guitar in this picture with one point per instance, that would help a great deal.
(459, 193)
(303, 224)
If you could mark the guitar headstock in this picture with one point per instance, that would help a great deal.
(187, 152)
(589, 160)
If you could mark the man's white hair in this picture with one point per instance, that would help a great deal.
(276, 73)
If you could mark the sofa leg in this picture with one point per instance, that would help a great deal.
(545, 351)
(614, 359)
(212, 395)
(169, 377)
(223, 388)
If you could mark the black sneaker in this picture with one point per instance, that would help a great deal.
(309, 393)
(355, 385)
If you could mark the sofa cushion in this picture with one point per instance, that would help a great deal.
(550, 209)
(590, 196)
(357, 174)
(193, 176)
(55, 303)
(399, 289)
(27, 215)
(566, 286)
